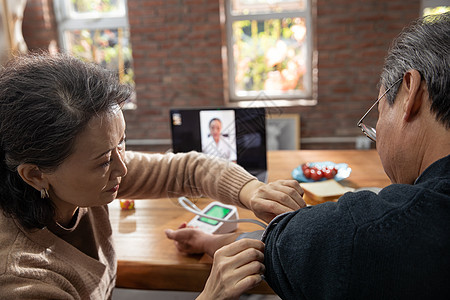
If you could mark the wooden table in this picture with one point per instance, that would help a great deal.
(148, 260)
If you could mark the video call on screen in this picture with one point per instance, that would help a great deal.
(243, 132)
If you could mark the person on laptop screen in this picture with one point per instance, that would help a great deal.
(220, 140)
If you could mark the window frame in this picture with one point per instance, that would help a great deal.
(260, 98)
(68, 21)
(91, 21)
(431, 4)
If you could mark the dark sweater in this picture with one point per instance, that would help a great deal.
(394, 245)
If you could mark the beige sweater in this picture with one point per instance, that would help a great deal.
(79, 262)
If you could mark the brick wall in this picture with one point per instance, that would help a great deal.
(177, 59)
(352, 39)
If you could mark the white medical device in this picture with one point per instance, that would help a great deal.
(216, 217)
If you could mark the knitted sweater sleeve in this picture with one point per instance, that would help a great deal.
(15, 287)
(183, 174)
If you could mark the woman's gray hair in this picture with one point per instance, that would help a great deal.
(45, 102)
(423, 46)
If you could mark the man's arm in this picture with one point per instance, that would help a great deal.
(195, 241)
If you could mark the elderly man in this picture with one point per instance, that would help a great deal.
(390, 245)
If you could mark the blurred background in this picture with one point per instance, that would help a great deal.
(316, 60)
(314, 64)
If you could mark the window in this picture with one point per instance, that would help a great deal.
(97, 31)
(269, 52)
(432, 7)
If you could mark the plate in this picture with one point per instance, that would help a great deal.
(343, 171)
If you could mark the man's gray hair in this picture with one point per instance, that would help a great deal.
(424, 46)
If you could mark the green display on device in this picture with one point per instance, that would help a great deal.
(215, 211)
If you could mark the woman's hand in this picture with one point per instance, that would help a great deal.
(237, 268)
(269, 200)
(195, 241)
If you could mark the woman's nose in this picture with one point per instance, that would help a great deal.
(120, 168)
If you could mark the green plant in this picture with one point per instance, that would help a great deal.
(269, 54)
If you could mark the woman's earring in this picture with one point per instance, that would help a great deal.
(44, 193)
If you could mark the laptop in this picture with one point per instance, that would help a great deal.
(235, 134)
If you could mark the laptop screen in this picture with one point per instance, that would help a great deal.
(235, 134)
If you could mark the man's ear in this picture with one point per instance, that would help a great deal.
(33, 176)
(414, 89)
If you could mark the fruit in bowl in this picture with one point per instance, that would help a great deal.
(316, 172)
(309, 172)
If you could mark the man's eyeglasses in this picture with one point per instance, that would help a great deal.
(369, 131)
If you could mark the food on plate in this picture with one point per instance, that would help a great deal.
(322, 191)
(308, 172)
(315, 172)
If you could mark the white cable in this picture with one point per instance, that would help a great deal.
(188, 205)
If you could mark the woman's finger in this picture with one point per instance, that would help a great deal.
(289, 187)
(252, 267)
(248, 283)
(239, 246)
(237, 268)
(286, 193)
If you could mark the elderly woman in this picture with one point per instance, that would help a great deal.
(63, 159)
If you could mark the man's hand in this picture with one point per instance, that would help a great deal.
(237, 268)
(269, 200)
(194, 241)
